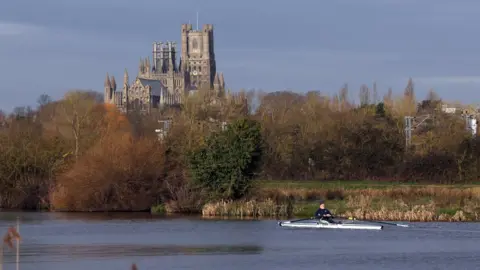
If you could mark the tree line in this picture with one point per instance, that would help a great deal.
(77, 153)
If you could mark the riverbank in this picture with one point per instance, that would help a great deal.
(361, 200)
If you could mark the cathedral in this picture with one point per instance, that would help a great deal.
(166, 82)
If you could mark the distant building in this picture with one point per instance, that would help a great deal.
(164, 82)
(447, 109)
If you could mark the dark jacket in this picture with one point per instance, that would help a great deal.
(320, 213)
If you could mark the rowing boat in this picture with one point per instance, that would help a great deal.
(322, 224)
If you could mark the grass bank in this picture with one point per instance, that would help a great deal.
(361, 200)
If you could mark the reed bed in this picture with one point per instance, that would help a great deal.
(391, 192)
(405, 203)
(247, 208)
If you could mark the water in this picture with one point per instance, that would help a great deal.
(100, 241)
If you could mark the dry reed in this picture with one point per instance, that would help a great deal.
(250, 208)
(404, 203)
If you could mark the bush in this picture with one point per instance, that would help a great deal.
(120, 175)
(228, 162)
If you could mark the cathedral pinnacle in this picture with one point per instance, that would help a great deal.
(113, 83)
(125, 77)
(107, 81)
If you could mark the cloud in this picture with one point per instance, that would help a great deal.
(17, 29)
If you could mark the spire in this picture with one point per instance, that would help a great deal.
(141, 66)
(216, 80)
(229, 95)
(125, 90)
(216, 83)
(147, 64)
(107, 93)
(125, 77)
(107, 81)
(171, 64)
(113, 83)
(222, 80)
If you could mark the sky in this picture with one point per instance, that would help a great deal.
(53, 46)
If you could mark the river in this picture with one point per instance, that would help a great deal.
(114, 241)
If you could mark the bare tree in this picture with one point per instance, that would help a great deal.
(364, 95)
(388, 98)
(43, 100)
(76, 112)
(432, 95)
(19, 111)
(343, 97)
(409, 92)
(375, 93)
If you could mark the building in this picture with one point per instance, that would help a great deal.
(166, 82)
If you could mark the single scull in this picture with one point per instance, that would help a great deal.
(322, 224)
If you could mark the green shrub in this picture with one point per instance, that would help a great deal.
(226, 165)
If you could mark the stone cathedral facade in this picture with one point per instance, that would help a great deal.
(165, 82)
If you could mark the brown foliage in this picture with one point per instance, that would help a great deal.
(85, 155)
(313, 136)
(28, 161)
(119, 173)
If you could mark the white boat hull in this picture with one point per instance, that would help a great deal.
(326, 225)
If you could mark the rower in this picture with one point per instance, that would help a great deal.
(323, 213)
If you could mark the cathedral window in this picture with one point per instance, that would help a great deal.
(195, 44)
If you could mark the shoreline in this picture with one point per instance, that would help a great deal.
(151, 215)
(426, 203)
(127, 215)
(360, 200)
(419, 213)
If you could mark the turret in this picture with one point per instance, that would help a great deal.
(125, 89)
(222, 81)
(229, 95)
(216, 83)
(113, 84)
(155, 56)
(171, 56)
(108, 91)
(186, 28)
(147, 65)
(141, 66)
(107, 82)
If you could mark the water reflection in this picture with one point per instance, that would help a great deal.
(54, 253)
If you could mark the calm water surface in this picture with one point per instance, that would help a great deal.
(100, 241)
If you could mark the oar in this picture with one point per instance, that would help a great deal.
(292, 221)
(383, 222)
(296, 220)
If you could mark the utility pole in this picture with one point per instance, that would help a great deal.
(408, 130)
(410, 125)
(470, 123)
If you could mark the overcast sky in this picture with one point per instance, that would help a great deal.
(51, 46)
